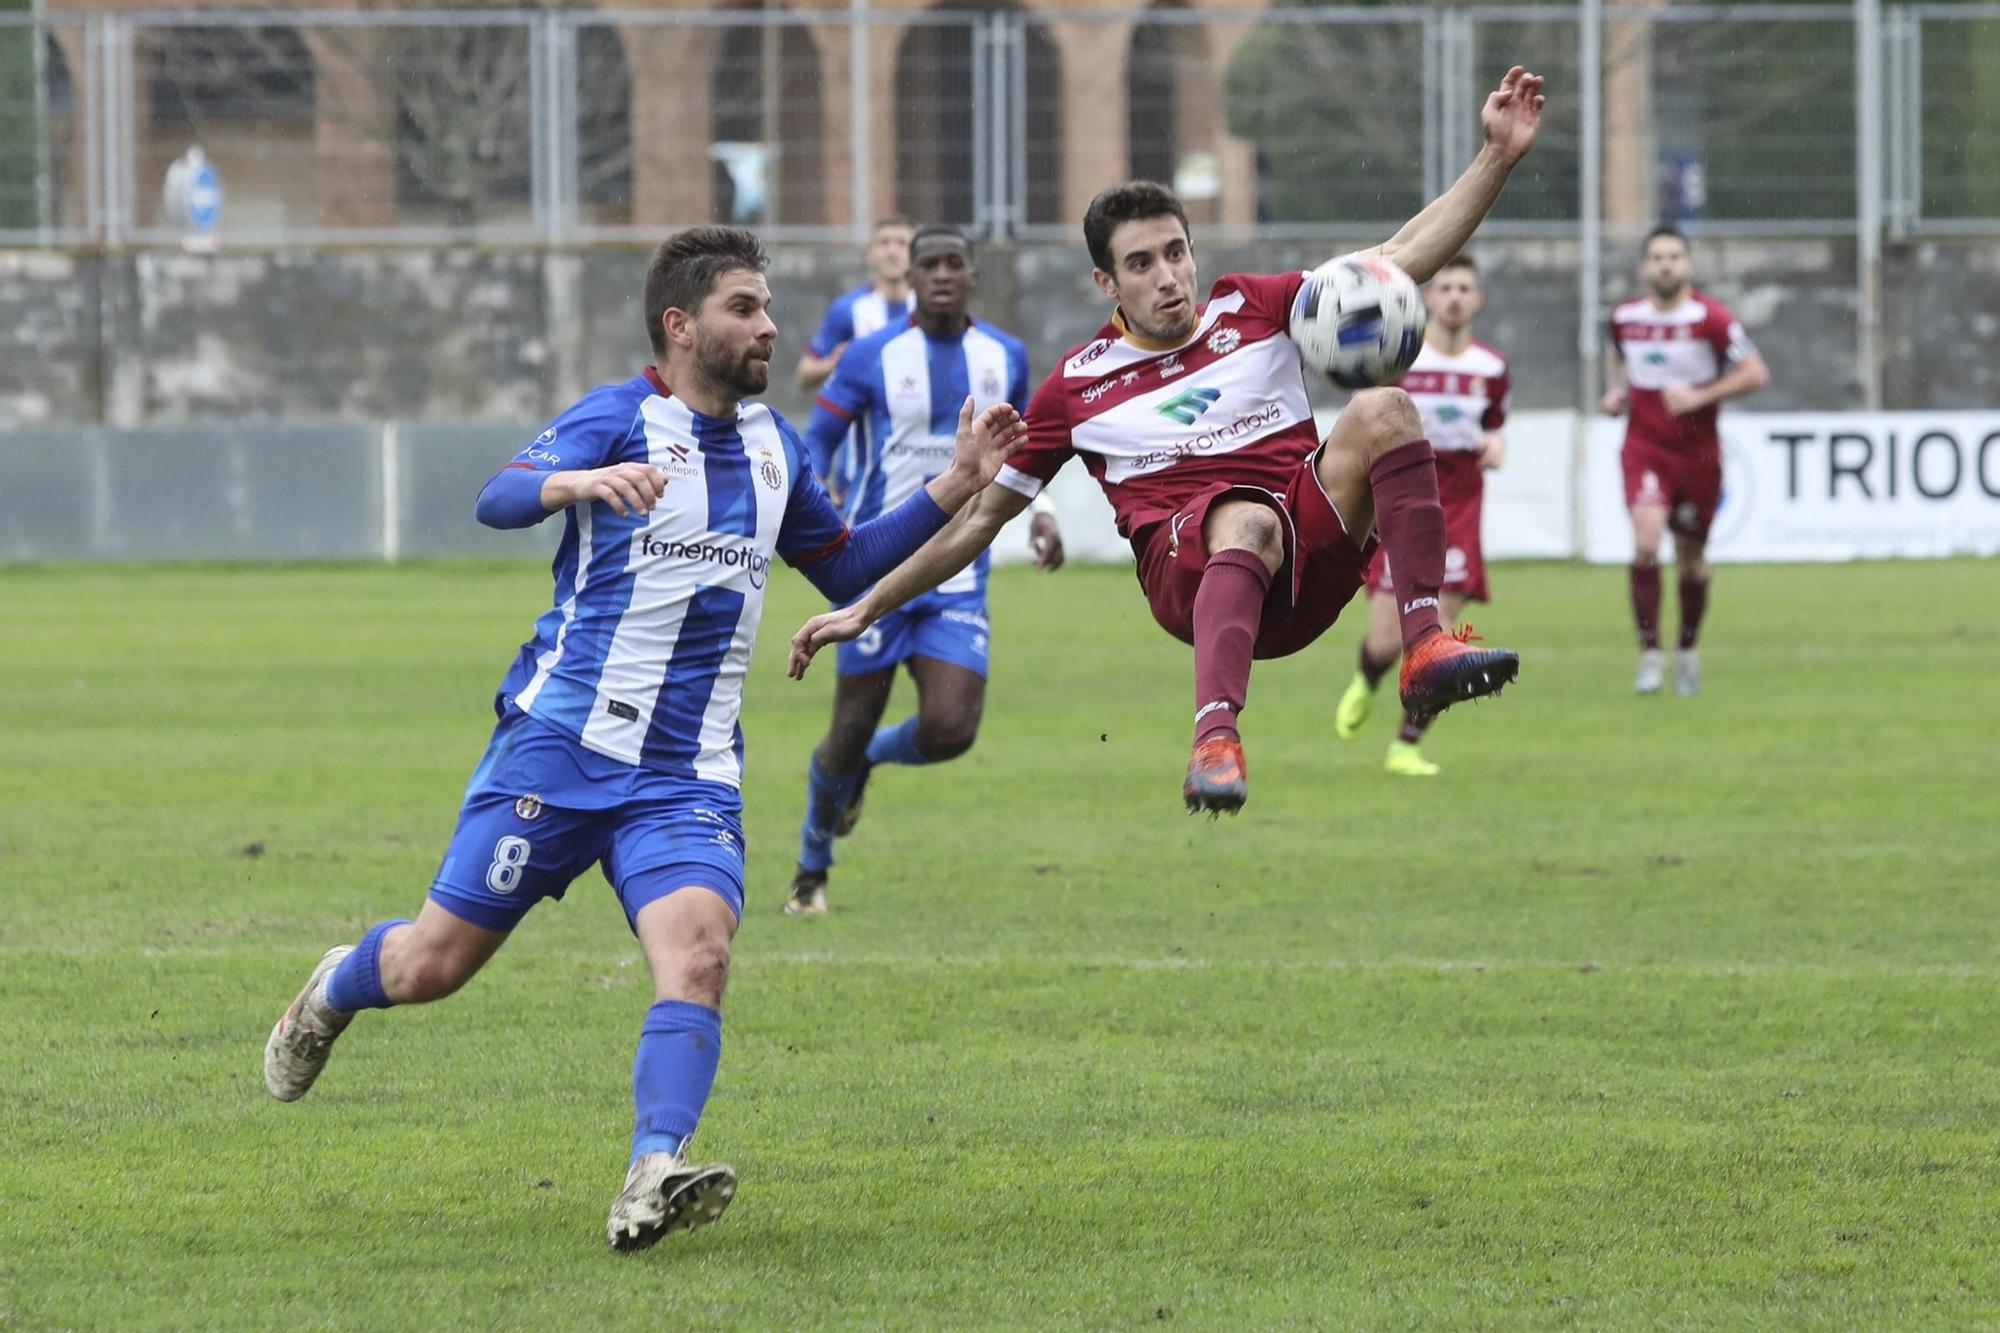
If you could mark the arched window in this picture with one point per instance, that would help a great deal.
(936, 121)
(1152, 79)
(196, 75)
(766, 130)
(1045, 125)
(464, 116)
(603, 125)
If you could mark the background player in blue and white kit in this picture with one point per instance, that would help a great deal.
(885, 299)
(898, 390)
(618, 743)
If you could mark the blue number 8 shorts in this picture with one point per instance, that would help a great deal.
(540, 810)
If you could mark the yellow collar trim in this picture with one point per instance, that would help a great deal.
(1140, 340)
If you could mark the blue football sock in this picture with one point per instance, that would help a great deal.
(897, 744)
(827, 795)
(357, 982)
(679, 1048)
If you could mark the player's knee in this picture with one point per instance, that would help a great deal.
(947, 737)
(433, 970)
(1386, 418)
(1253, 527)
(701, 972)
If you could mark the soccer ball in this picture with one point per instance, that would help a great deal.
(1359, 320)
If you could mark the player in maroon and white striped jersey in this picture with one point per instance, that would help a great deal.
(1676, 354)
(1250, 533)
(1461, 388)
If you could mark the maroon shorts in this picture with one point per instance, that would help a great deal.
(1464, 560)
(1687, 485)
(1323, 565)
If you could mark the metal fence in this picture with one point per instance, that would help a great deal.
(577, 126)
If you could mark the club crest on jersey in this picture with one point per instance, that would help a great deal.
(528, 807)
(989, 387)
(770, 475)
(1224, 341)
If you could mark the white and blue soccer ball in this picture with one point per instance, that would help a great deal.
(1359, 320)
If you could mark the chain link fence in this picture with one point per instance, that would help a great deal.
(559, 127)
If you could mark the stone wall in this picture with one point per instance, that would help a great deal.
(354, 335)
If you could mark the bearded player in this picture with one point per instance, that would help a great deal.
(1460, 387)
(1677, 354)
(1251, 534)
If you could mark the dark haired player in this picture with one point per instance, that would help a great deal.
(1676, 355)
(618, 743)
(1460, 386)
(899, 389)
(1251, 534)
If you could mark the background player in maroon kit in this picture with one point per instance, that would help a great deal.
(1250, 534)
(1460, 387)
(1676, 354)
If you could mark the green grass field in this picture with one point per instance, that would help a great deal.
(1647, 1013)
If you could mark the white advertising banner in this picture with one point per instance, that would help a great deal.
(1826, 486)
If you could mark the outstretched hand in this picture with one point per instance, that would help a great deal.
(1513, 113)
(840, 626)
(987, 440)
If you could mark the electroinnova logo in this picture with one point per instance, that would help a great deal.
(1188, 404)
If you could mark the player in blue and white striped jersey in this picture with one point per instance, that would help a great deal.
(899, 391)
(855, 314)
(618, 743)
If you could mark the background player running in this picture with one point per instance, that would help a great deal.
(618, 741)
(1250, 534)
(884, 299)
(900, 389)
(1460, 387)
(1675, 355)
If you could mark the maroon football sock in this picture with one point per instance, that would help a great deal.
(1646, 604)
(1227, 608)
(1411, 521)
(1372, 671)
(1694, 604)
(1413, 728)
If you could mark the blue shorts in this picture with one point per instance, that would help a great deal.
(515, 847)
(950, 627)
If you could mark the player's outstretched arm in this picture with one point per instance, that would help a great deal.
(519, 497)
(1511, 117)
(629, 488)
(952, 549)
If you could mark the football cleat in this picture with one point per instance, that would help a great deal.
(664, 1194)
(1405, 760)
(1354, 708)
(1216, 777)
(808, 894)
(1445, 669)
(1652, 672)
(852, 814)
(1687, 673)
(303, 1038)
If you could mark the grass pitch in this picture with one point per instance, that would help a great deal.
(1645, 1013)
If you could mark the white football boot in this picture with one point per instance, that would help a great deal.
(1687, 673)
(304, 1035)
(1652, 672)
(663, 1194)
